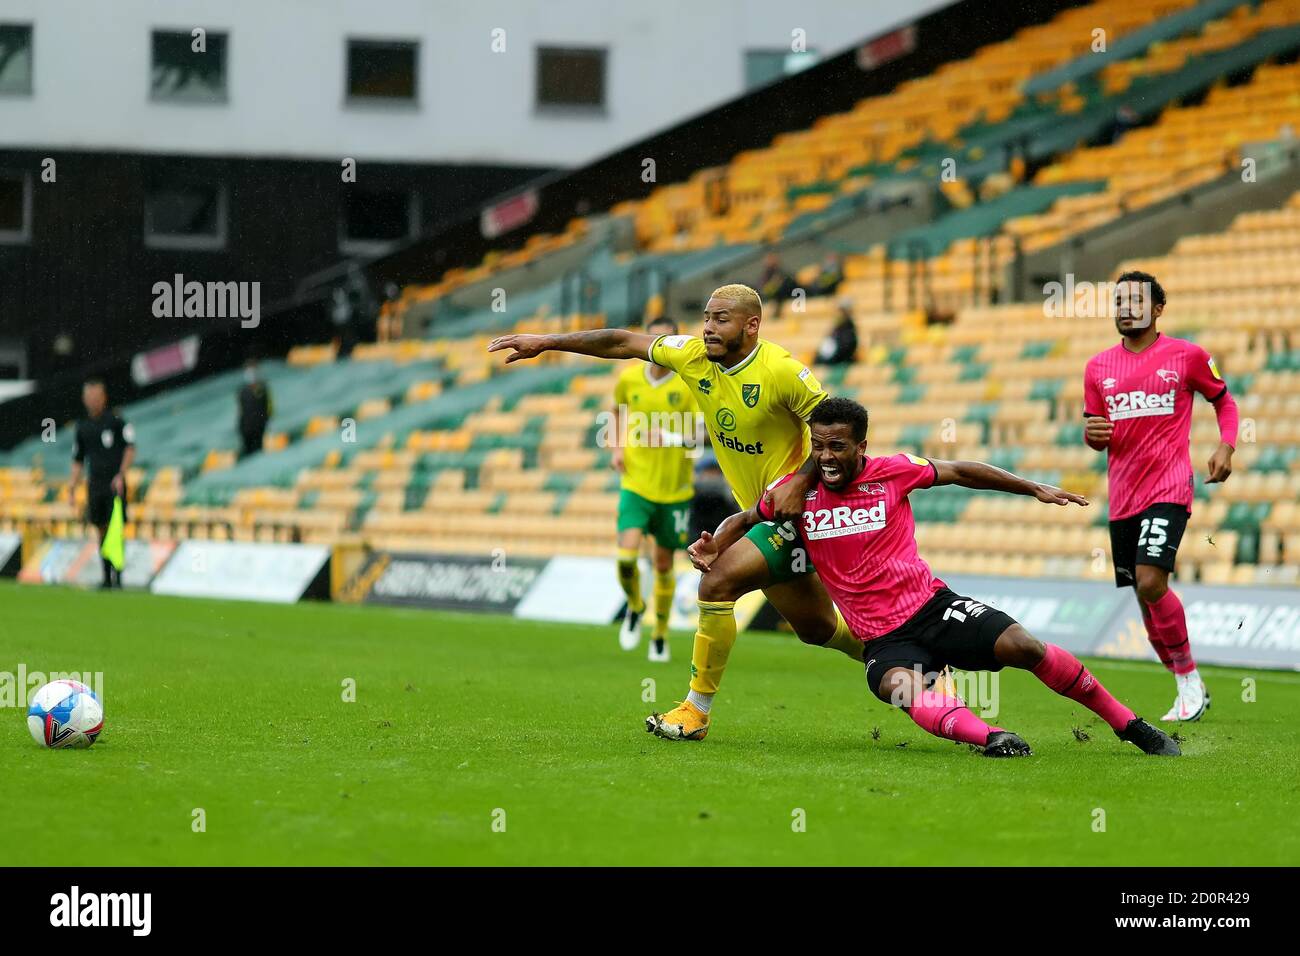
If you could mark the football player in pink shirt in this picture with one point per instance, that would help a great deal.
(1137, 406)
(858, 527)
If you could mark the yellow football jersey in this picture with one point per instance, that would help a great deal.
(660, 432)
(756, 411)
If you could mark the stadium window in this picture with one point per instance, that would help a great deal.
(373, 221)
(767, 66)
(180, 73)
(15, 208)
(16, 59)
(185, 216)
(571, 79)
(382, 71)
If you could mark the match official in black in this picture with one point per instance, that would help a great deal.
(105, 445)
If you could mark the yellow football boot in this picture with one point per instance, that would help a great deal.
(683, 722)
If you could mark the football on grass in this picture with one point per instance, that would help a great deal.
(65, 713)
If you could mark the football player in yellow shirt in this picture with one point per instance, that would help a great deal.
(655, 428)
(756, 400)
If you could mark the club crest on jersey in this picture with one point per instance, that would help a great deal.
(749, 395)
(1167, 375)
(1108, 383)
(705, 385)
(872, 488)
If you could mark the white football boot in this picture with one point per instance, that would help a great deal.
(1192, 700)
(659, 653)
(629, 635)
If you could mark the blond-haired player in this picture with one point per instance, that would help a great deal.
(655, 427)
(756, 400)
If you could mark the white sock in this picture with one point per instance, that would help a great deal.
(702, 702)
(1191, 677)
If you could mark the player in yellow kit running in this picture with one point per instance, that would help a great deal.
(756, 400)
(655, 428)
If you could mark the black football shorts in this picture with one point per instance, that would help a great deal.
(948, 630)
(1150, 537)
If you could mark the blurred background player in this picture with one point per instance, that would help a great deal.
(1138, 407)
(657, 426)
(104, 449)
(859, 528)
(756, 400)
(254, 410)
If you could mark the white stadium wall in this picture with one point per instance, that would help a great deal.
(286, 73)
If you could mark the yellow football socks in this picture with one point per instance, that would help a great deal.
(629, 578)
(665, 586)
(713, 643)
(844, 641)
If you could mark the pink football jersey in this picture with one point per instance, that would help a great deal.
(1148, 396)
(862, 540)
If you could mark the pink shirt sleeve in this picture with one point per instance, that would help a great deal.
(913, 472)
(1203, 375)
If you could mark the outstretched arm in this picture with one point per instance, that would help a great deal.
(706, 550)
(977, 474)
(602, 343)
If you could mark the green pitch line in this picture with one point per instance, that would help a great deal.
(237, 709)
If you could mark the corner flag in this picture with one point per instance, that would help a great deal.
(114, 549)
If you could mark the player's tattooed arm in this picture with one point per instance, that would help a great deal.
(707, 547)
(786, 500)
(986, 477)
(601, 343)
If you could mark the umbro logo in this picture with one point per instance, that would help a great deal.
(872, 488)
(1109, 383)
(810, 496)
(1167, 375)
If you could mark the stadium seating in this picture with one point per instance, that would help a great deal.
(986, 129)
(430, 445)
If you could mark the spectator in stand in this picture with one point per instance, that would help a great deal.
(775, 285)
(841, 346)
(254, 410)
(1126, 118)
(342, 314)
(829, 279)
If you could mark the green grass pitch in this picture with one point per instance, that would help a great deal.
(238, 709)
